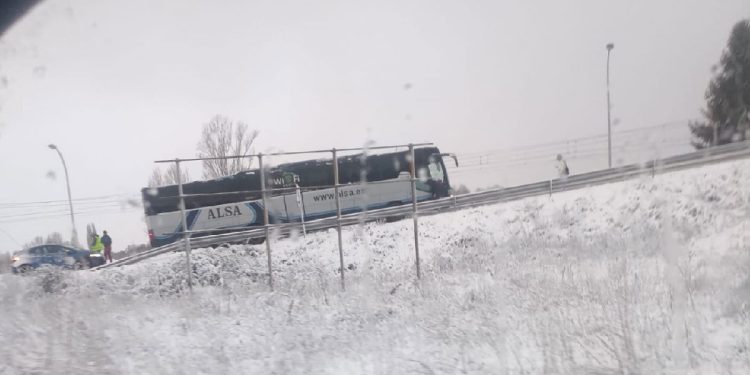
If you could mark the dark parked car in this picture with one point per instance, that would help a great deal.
(54, 256)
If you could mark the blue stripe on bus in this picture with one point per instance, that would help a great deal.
(191, 218)
(258, 207)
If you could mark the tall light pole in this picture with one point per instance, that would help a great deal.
(610, 46)
(74, 238)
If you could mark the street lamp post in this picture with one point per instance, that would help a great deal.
(610, 46)
(74, 238)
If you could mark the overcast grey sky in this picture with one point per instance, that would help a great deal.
(118, 84)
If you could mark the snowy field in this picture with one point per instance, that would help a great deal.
(646, 276)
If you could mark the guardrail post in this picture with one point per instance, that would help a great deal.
(550, 188)
(412, 167)
(265, 218)
(338, 215)
(185, 234)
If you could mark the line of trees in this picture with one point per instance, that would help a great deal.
(167, 177)
(727, 111)
(220, 137)
(53, 238)
(130, 250)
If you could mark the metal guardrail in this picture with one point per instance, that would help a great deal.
(703, 157)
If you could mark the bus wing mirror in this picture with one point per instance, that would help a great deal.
(452, 156)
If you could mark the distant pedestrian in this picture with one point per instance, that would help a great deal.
(107, 242)
(562, 167)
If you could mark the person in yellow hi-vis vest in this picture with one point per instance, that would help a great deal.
(96, 244)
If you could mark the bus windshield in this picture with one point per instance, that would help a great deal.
(436, 169)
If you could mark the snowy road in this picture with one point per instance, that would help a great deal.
(644, 276)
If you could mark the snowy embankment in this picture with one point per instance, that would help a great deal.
(644, 276)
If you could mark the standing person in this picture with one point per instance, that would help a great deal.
(562, 167)
(96, 248)
(107, 242)
(96, 244)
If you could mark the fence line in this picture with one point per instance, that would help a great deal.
(187, 233)
(689, 160)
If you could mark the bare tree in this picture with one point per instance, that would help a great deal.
(221, 138)
(38, 240)
(54, 238)
(157, 178)
(131, 250)
(171, 177)
(168, 177)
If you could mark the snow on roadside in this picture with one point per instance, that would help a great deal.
(647, 275)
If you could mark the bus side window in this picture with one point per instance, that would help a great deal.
(349, 169)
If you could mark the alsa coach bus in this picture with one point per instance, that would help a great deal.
(298, 191)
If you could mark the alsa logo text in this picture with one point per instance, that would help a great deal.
(220, 212)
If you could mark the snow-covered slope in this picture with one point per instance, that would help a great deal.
(644, 276)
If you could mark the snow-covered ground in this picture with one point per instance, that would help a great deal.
(644, 276)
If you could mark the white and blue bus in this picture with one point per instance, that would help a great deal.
(297, 191)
